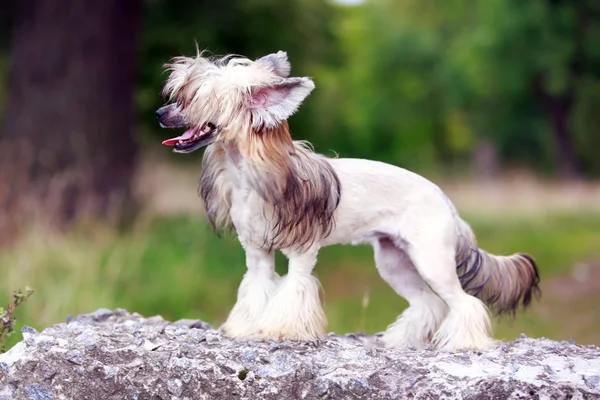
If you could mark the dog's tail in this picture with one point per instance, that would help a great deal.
(503, 283)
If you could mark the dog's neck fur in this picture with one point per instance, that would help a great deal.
(299, 189)
(233, 154)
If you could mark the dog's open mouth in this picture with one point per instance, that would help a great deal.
(192, 139)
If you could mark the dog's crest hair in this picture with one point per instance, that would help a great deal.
(235, 91)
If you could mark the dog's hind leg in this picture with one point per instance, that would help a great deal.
(467, 325)
(295, 312)
(257, 287)
(417, 324)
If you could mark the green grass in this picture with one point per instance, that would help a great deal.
(177, 268)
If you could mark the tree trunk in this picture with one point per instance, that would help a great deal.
(67, 147)
(558, 110)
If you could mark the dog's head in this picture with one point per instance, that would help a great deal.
(220, 99)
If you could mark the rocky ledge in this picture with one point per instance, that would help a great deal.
(119, 355)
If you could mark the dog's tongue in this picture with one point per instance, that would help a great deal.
(186, 135)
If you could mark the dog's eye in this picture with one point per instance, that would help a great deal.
(209, 127)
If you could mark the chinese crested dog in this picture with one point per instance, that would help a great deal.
(277, 194)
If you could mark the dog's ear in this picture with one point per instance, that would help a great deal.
(273, 104)
(277, 63)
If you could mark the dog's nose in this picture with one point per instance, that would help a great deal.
(159, 113)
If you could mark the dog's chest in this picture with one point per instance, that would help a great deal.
(248, 215)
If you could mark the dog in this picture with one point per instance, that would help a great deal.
(278, 194)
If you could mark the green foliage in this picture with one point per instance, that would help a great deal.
(419, 83)
(423, 81)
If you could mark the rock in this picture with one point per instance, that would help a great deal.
(119, 355)
(27, 329)
(37, 392)
(46, 370)
(175, 387)
(193, 323)
(75, 356)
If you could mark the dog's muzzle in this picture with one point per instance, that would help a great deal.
(193, 138)
(170, 117)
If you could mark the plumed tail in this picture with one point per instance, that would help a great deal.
(503, 283)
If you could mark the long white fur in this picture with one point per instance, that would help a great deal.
(413, 227)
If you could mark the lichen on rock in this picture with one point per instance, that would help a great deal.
(118, 355)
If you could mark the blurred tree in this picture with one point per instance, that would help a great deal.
(572, 27)
(67, 146)
(533, 57)
(424, 81)
(390, 95)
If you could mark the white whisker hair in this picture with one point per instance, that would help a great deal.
(278, 194)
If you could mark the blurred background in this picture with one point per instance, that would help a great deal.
(497, 101)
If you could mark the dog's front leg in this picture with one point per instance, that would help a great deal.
(295, 312)
(257, 287)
